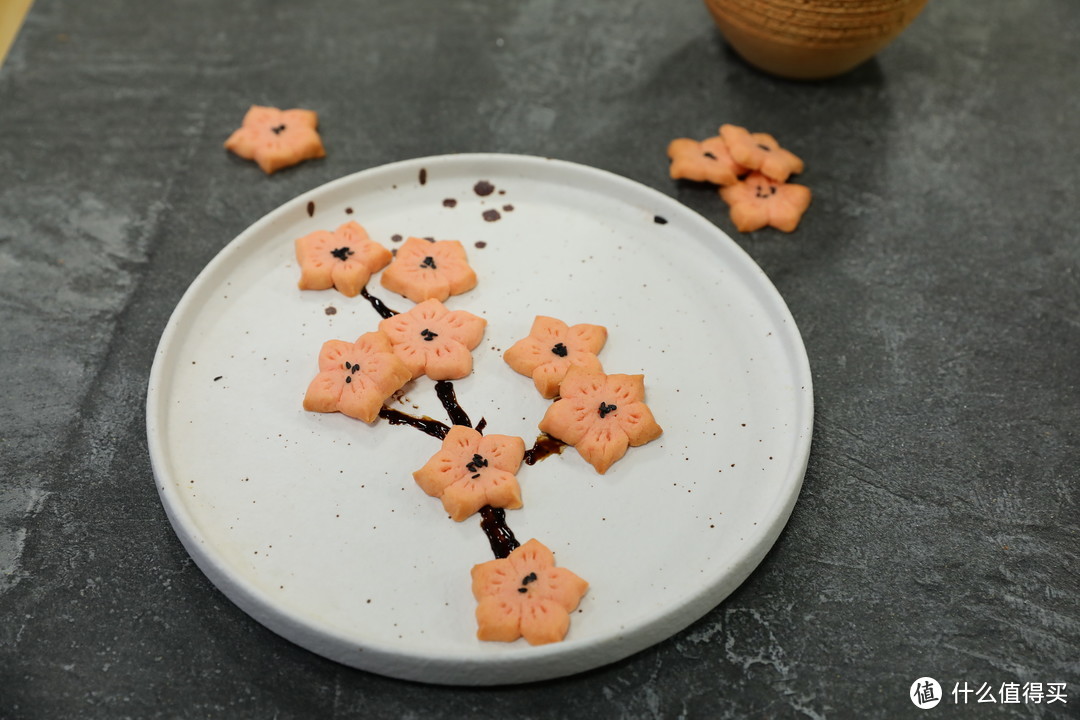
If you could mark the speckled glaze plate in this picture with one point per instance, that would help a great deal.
(312, 523)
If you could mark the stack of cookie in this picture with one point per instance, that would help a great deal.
(752, 171)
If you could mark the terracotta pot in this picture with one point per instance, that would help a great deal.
(811, 39)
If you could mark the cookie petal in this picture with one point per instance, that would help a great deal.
(544, 621)
(603, 445)
(498, 620)
(562, 587)
(438, 473)
(463, 498)
(504, 452)
(527, 354)
(569, 419)
(548, 377)
(637, 421)
(324, 391)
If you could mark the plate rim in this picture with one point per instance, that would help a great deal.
(543, 662)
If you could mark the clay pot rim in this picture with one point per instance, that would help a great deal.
(858, 8)
(836, 38)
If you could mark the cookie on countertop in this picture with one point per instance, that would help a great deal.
(277, 139)
(758, 201)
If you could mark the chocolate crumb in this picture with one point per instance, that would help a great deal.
(483, 188)
(659, 219)
(508, 208)
(481, 244)
(330, 310)
(348, 211)
(395, 238)
(311, 208)
(218, 378)
(423, 176)
(449, 202)
(491, 215)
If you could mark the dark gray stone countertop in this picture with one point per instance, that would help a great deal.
(935, 281)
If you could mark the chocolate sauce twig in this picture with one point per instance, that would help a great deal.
(445, 390)
(432, 427)
(379, 305)
(500, 536)
(544, 446)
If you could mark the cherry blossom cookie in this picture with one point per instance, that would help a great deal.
(434, 341)
(277, 139)
(758, 201)
(601, 416)
(356, 378)
(760, 151)
(705, 161)
(344, 259)
(424, 269)
(551, 348)
(473, 470)
(525, 595)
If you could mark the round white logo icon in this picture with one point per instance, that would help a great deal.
(925, 693)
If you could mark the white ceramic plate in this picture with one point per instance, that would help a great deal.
(312, 523)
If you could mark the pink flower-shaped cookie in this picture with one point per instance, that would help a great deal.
(525, 595)
(344, 259)
(705, 161)
(276, 139)
(424, 269)
(760, 151)
(551, 348)
(758, 201)
(356, 378)
(434, 341)
(473, 470)
(601, 415)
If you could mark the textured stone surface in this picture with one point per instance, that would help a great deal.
(936, 281)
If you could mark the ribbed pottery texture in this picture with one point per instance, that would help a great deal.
(811, 39)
